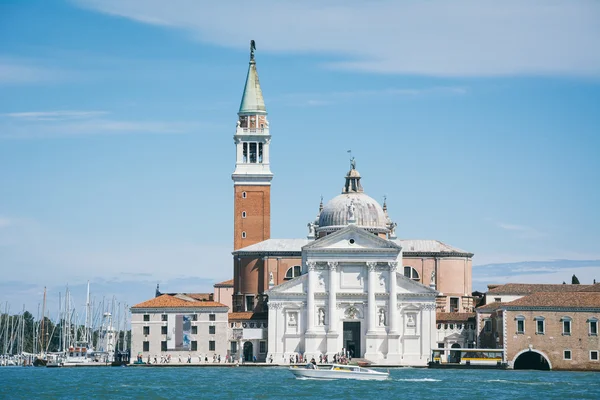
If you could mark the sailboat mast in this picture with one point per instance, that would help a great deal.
(42, 347)
(87, 315)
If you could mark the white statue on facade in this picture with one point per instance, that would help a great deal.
(381, 317)
(321, 316)
(433, 276)
(410, 321)
(392, 228)
(292, 319)
(351, 209)
(271, 279)
(311, 229)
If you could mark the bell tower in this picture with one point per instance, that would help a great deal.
(252, 175)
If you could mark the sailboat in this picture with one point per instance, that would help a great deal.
(41, 360)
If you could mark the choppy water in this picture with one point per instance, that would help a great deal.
(277, 383)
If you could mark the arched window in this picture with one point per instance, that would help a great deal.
(243, 214)
(520, 324)
(244, 235)
(411, 273)
(293, 272)
(566, 325)
(243, 195)
(540, 325)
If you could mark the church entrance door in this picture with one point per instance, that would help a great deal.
(248, 351)
(352, 338)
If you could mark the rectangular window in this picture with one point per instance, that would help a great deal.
(453, 304)
(407, 271)
(194, 330)
(233, 347)
(593, 328)
(212, 317)
(594, 355)
(146, 330)
(163, 345)
(567, 354)
(566, 327)
(487, 325)
(539, 324)
(194, 345)
(211, 345)
(497, 299)
(260, 152)
(245, 152)
(194, 317)
(250, 303)
(163, 330)
(163, 317)
(458, 326)
(212, 330)
(146, 317)
(520, 326)
(146, 346)
(253, 152)
(262, 347)
(441, 346)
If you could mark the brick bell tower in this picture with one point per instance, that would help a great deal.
(252, 175)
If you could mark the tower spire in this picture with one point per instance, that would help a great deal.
(252, 99)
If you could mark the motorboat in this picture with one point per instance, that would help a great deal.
(337, 371)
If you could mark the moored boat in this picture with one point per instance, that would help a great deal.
(338, 371)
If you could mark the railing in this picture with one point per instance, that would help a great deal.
(260, 131)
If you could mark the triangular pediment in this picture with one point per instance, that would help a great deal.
(293, 286)
(352, 238)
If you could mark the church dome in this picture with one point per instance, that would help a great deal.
(367, 213)
(353, 206)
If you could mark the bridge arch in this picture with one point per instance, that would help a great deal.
(531, 359)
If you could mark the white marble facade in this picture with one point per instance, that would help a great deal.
(351, 296)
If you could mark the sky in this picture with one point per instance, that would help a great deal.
(479, 120)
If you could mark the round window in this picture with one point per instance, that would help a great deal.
(351, 241)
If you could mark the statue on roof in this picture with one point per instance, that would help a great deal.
(252, 49)
(352, 163)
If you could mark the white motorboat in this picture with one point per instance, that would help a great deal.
(338, 371)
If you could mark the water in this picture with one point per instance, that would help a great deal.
(277, 383)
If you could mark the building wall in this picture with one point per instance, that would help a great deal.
(257, 223)
(501, 298)
(553, 343)
(453, 279)
(463, 333)
(224, 295)
(155, 337)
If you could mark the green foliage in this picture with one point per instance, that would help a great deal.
(574, 280)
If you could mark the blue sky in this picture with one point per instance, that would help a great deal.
(478, 120)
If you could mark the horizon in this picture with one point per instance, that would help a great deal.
(116, 128)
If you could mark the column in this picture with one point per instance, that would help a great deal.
(372, 321)
(393, 300)
(332, 296)
(310, 297)
(238, 147)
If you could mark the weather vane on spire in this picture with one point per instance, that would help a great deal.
(252, 49)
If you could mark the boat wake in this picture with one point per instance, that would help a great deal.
(304, 378)
(419, 380)
(518, 382)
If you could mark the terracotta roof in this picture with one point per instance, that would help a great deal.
(245, 316)
(490, 307)
(592, 288)
(558, 300)
(201, 296)
(177, 301)
(526, 288)
(224, 283)
(454, 317)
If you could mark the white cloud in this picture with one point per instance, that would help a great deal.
(522, 231)
(438, 38)
(54, 115)
(52, 124)
(15, 72)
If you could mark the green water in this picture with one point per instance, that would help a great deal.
(277, 383)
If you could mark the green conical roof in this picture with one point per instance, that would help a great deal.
(252, 100)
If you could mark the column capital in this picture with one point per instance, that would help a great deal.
(393, 265)
(312, 265)
(332, 265)
(371, 265)
(274, 305)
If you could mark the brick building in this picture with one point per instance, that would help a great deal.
(545, 327)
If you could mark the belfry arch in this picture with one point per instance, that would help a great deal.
(532, 359)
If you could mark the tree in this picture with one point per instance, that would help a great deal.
(574, 280)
